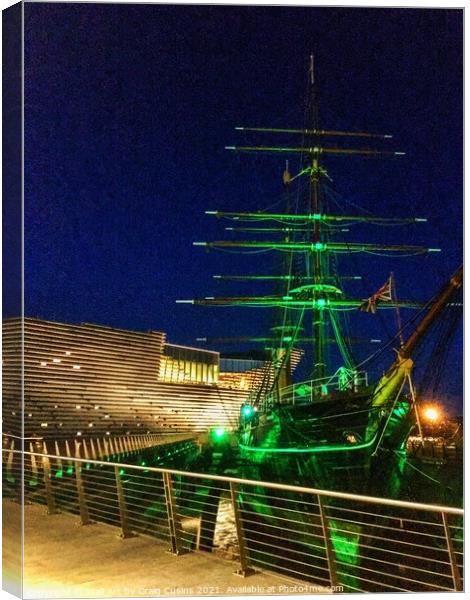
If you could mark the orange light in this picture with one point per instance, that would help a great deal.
(432, 414)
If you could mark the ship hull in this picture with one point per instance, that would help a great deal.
(343, 434)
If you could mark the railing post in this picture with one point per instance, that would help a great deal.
(244, 570)
(458, 587)
(58, 460)
(93, 450)
(34, 467)
(50, 500)
(82, 505)
(86, 454)
(67, 448)
(10, 477)
(100, 449)
(330, 556)
(173, 520)
(57, 453)
(125, 529)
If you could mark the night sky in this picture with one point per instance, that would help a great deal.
(128, 109)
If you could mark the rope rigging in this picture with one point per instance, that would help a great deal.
(445, 329)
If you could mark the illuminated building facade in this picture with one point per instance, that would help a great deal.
(88, 380)
(181, 364)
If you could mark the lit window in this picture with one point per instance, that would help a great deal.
(106, 416)
(76, 367)
(43, 363)
(108, 433)
(56, 360)
(79, 433)
(78, 407)
(68, 353)
(90, 424)
(43, 424)
(97, 406)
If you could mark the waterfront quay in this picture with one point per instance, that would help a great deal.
(90, 522)
(88, 562)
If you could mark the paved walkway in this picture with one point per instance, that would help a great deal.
(65, 559)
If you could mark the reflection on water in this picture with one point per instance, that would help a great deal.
(225, 537)
(390, 474)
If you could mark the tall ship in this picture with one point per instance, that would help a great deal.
(343, 412)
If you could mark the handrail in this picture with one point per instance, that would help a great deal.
(287, 393)
(330, 538)
(278, 486)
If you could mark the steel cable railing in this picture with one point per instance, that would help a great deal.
(332, 539)
(312, 390)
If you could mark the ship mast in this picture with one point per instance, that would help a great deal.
(319, 263)
(307, 233)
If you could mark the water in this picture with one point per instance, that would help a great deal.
(391, 474)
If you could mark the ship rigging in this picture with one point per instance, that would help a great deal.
(338, 408)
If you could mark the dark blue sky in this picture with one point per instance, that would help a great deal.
(128, 109)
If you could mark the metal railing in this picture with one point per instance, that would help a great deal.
(435, 449)
(315, 389)
(358, 543)
(95, 447)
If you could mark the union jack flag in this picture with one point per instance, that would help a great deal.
(383, 294)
